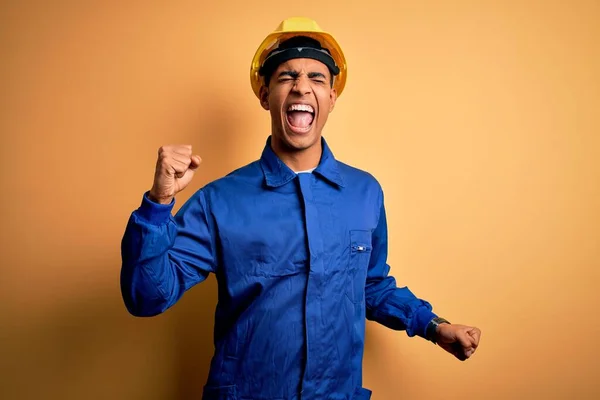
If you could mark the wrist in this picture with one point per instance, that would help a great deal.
(159, 200)
(433, 329)
(153, 212)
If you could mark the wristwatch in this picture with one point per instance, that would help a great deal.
(431, 330)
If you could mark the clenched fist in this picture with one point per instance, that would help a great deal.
(175, 169)
(458, 340)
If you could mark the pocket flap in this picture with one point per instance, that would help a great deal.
(360, 241)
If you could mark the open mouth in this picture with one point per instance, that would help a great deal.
(300, 117)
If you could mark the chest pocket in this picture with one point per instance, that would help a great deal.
(360, 255)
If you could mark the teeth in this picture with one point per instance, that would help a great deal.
(301, 107)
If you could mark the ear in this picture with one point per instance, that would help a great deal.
(264, 97)
(332, 99)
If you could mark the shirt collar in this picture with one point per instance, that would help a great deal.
(278, 174)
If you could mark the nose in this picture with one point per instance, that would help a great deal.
(302, 85)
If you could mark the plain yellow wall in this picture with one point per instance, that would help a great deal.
(479, 118)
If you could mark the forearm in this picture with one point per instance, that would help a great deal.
(397, 308)
(158, 266)
(145, 282)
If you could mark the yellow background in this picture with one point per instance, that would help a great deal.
(479, 118)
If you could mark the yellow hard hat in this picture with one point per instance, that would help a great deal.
(298, 26)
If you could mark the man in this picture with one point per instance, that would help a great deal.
(297, 240)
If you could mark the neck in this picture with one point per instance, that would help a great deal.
(298, 160)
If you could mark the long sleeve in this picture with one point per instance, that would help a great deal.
(397, 308)
(163, 256)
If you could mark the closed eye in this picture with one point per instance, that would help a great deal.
(317, 77)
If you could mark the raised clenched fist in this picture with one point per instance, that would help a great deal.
(175, 169)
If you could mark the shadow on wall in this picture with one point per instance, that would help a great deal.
(194, 314)
(82, 343)
(193, 339)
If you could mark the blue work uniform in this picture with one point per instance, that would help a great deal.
(300, 261)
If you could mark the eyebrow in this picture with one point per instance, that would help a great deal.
(291, 74)
(296, 74)
(316, 75)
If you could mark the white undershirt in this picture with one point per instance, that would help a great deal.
(307, 171)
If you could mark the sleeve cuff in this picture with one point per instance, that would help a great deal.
(154, 213)
(423, 319)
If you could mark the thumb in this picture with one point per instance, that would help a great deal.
(186, 178)
(196, 160)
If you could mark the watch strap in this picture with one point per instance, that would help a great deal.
(431, 330)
